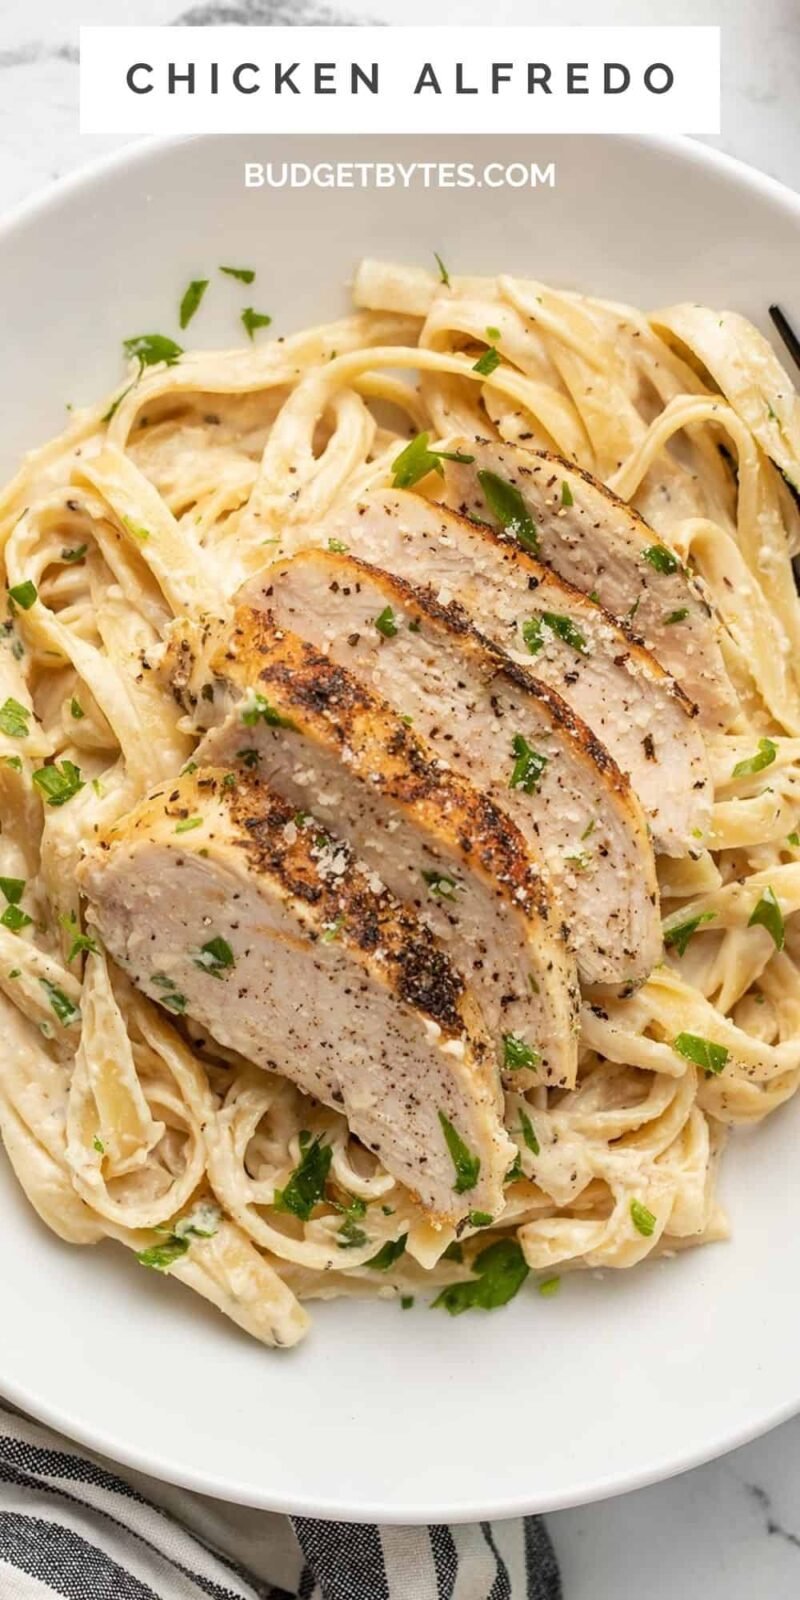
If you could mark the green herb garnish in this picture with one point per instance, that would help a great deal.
(442, 886)
(215, 957)
(187, 824)
(567, 498)
(661, 558)
(764, 757)
(259, 709)
(643, 1220)
(161, 1256)
(528, 1133)
(337, 548)
(565, 629)
(466, 1164)
(767, 914)
(416, 460)
(242, 274)
(14, 918)
(151, 348)
(76, 709)
(488, 362)
(57, 783)
(506, 504)
(680, 935)
(24, 594)
(191, 300)
(529, 766)
(703, 1052)
(676, 616)
(388, 1254)
(171, 996)
(443, 272)
(480, 1219)
(501, 1270)
(77, 553)
(306, 1186)
(548, 1287)
(386, 624)
(517, 1054)
(60, 1002)
(82, 943)
(251, 320)
(14, 719)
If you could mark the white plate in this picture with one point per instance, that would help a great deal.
(383, 1414)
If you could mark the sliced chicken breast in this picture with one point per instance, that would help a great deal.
(325, 742)
(615, 686)
(601, 545)
(509, 733)
(270, 934)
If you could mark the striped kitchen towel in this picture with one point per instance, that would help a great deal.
(71, 1524)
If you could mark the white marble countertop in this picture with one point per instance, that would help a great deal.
(730, 1530)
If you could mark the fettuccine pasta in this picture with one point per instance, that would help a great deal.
(121, 1118)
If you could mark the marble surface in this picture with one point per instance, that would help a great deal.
(730, 1530)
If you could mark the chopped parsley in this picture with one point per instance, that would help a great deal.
(12, 890)
(548, 1287)
(767, 914)
(97, 1144)
(506, 504)
(764, 757)
(149, 349)
(136, 530)
(76, 553)
(386, 624)
(306, 1186)
(258, 709)
(242, 274)
(467, 1166)
(58, 784)
(14, 918)
(406, 1302)
(567, 497)
(480, 1219)
(14, 719)
(703, 1052)
(76, 709)
(416, 460)
(351, 1236)
(170, 996)
(162, 1256)
(682, 932)
(388, 1254)
(529, 766)
(215, 957)
(661, 558)
(500, 1271)
(517, 1054)
(488, 362)
(82, 943)
(187, 824)
(337, 548)
(60, 1002)
(794, 840)
(201, 1223)
(249, 758)
(13, 762)
(444, 276)
(251, 320)
(441, 885)
(191, 300)
(332, 931)
(643, 1220)
(563, 627)
(24, 594)
(676, 616)
(528, 1133)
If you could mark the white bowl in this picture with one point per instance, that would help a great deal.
(411, 1417)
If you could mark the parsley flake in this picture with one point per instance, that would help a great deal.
(467, 1165)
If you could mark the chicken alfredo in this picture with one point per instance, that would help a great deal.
(400, 795)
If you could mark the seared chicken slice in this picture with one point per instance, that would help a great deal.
(321, 739)
(510, 734)
(602, 546)
(269, 933)
(615, 686)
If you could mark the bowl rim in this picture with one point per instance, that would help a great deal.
(133, 154)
